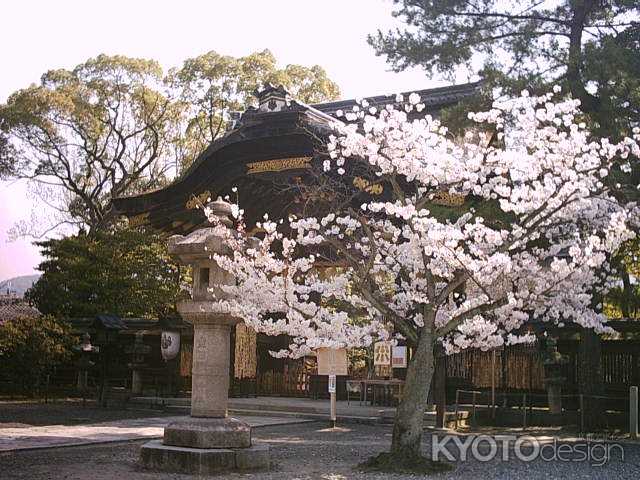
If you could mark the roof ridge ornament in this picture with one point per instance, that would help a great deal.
(272, 98)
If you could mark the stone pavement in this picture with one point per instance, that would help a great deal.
(30, 438)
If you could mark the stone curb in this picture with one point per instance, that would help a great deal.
(350, 419)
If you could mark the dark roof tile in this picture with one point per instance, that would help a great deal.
(14, 309)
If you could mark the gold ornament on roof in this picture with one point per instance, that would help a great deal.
(138, 220)
(279, 165)
(197, 201)
(366, 186)
(448, 199)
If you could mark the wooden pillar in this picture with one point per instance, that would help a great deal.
(635, 369)
(633, 412)
(591, 384)
(232, 360)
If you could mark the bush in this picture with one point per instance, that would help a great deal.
(30, 348)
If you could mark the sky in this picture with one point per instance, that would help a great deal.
(41, 35)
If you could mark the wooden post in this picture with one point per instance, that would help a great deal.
(503, 366)
(456, 410)
(103, 377)
(46, 388)
(524, 409)
(473, 409)
(581, 412)
(493, 384)
(332, 393)
(440, 385)
(333, 409)
(633, 412)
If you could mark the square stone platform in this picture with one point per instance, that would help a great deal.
(203, 461)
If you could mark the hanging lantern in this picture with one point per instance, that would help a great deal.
(170, 345)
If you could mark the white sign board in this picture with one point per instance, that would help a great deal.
(399, 357)
(332, 384)
(332, 361)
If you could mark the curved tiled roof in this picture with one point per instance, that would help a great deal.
(13, 308)
(279, 131)
(438, 98)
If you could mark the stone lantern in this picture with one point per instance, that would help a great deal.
(554, 363)
(84, 363)
(138, 351)
(209, 441)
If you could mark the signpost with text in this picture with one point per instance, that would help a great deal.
(332, 362)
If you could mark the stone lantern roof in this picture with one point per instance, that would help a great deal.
(200, 244)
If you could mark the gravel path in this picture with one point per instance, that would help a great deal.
(305, 451)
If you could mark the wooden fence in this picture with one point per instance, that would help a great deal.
(521, 367)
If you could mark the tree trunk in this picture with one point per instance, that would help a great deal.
(407, 428)
(581, 11)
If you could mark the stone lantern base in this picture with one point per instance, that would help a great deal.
(203, 461)
(202, 446)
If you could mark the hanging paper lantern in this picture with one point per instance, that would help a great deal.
(170, 345)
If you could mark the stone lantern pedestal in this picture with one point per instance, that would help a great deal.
(209, 441)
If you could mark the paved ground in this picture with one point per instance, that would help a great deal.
(16, 414)
(37, 437)
(301, 452)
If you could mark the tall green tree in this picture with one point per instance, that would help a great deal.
(624, 299)
(116, 125)
(92, 133)
(126, 273)
(210, 87)
(587, 46)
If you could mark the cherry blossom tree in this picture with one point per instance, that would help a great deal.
(532, 225)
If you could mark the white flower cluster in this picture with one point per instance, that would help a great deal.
(471, 280)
